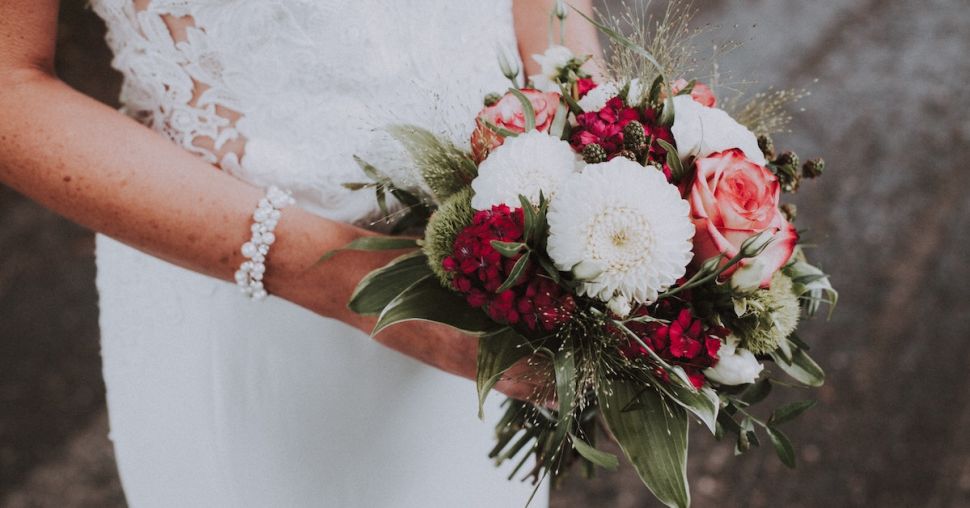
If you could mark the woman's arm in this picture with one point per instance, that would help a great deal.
(102, 170)
(531, 30)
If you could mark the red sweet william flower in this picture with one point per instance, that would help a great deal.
(605, 128)
(685, 342)
(584, 85)
(479, 271)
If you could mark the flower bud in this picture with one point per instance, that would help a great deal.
(786, 169)
(510, 69)
(813, 168)
(594, 153)
(735, 366)
(767, 146)
(634, 137)
(747, 278)
(790, 211)
(560, 10)
(620, 305)
(587, 270)
(755, 244)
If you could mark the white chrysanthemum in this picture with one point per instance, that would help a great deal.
(596, 99)
(627, 222)
(523, 165)
(700, 131)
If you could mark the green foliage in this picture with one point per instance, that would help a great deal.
(446, 168)
(381, 286)
(810, 284)
(652, 435)
(766, 317)
(373, 243)
(794, 360)
(598, 457)
(443, 227)
(497, 352)
(427, 300)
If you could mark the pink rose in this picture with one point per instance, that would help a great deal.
(701, 93)
(732, 199)
(507, 113)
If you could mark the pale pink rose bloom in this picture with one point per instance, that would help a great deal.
(733, 199)
(701, 93)
(508, 114)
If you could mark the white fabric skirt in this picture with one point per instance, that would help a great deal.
(216, 401)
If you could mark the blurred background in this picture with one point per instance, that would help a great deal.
(890, 219)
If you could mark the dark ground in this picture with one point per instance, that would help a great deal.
(890, 219)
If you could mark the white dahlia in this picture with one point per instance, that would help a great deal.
(523, 165)
(700, 131)
(628, 223)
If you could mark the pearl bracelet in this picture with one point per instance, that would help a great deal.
(249, 277)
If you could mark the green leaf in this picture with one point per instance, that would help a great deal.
(558, 128)
(369, 170)
(564, 365)
(501, 131)
(508, 249)
(783, 446)
(517, 270)
(689, 88)
(789, 412)
(673, 160)
(530, 218)
(667, 116)
(356, 186)
(756, 392)
(703, 403)
(653, 437)
(374, 243)
(801, 367)
(655, 89)
(427, 300)
(497, 352)
(379, 287)
(527, 109)
(598, 457)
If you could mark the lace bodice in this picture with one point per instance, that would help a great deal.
(285, 92)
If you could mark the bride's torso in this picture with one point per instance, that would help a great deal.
(217, 401)
(287, 91)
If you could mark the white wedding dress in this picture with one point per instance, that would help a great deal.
(216, 401)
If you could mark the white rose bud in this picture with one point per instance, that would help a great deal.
(747, 278)
(736, 366)
(587, 270)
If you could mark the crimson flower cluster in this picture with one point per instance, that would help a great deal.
(605, 128)
(685, 342)
(533, 301)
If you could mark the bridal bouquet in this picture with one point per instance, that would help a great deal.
(629, 233)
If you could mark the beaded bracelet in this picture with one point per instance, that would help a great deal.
(249, 277)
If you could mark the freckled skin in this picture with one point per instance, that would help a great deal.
(61, 149)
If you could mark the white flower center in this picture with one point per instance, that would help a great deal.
(619, 239)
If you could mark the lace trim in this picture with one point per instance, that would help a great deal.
(163, 46)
